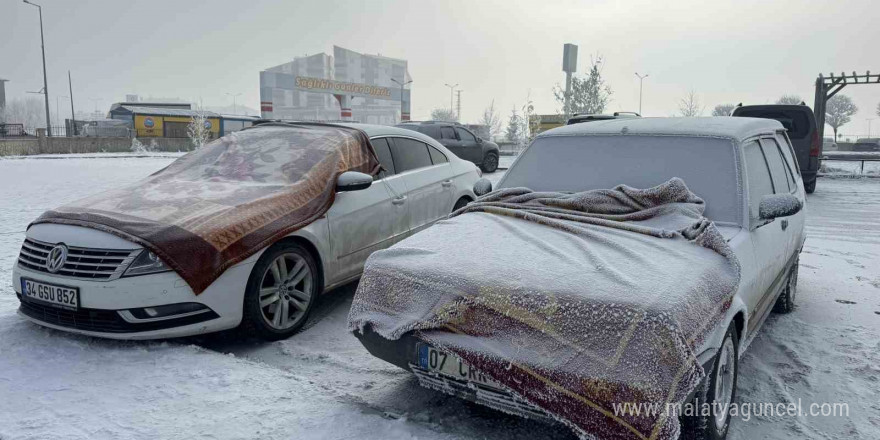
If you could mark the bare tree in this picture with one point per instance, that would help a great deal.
(838, 111)
(443, 114)
(514, 127)
(492, 120)
(722, 110)
(26, 111)
(789, 99)
(531, 121)
(690, 106)
(199, 128)
(588, 95)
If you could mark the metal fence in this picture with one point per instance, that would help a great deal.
(81, 130)
(851, 165)
(12, 131)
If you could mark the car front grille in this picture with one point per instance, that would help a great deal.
(82, 263)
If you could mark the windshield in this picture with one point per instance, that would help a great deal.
(579, 163)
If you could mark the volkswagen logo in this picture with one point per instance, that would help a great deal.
(56, 258)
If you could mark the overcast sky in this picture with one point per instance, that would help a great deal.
(738, 51)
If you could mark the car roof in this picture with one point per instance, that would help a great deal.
(720, 126)
(372, 130)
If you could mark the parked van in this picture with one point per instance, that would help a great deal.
(800, 123)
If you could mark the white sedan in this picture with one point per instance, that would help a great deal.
(129, 293)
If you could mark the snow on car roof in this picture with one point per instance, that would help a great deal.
(387, 130)
(724, 126)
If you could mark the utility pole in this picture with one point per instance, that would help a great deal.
(458, 110)
(72, 114)
(451, 91)
(233, 101)
(96, 101)
(641, 77)
(402, 85)
(45, 81)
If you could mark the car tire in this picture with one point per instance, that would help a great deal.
(461, 203)
(490, 163)
(785, 302)
(719, 384)
(264, 314)
(810, 186)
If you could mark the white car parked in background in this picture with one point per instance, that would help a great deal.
(90, 282)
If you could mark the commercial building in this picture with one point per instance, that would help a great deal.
(171, 120)
(345, 86)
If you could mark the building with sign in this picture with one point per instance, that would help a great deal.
(345, 86)
(172, 120)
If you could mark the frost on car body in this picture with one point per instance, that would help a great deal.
(525, 302)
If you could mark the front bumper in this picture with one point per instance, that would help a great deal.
(404, 354)
(102, 301)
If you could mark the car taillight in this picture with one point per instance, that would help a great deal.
(816, 146)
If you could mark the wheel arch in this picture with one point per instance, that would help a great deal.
(313, 250)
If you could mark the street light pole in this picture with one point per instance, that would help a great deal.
(233, 101)
(401, 95)
(869, 125)
(96, 101)
(45, 81)
(451, 91)
(641, 77)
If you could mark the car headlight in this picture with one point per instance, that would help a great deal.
(146, 263)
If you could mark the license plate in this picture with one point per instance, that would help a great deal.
(54, 295)
(448, 364)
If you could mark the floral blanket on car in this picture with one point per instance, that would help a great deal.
(574, 302)
(220, 204)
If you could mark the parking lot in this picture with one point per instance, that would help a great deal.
(323, 384)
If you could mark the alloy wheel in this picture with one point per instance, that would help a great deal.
(285, 291)
(724, 377)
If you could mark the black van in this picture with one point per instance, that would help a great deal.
(801, 125)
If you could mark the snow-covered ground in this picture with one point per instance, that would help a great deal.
(322, 384)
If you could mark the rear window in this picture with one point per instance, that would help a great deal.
(579, 163)
(796, 122)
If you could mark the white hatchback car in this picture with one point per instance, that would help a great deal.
(114, 288)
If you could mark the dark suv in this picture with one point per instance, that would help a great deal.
(460, 141)
(801, 125)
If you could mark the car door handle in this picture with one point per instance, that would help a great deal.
(398, 200)
(446, 183)
(784, 224)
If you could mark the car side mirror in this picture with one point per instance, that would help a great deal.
(353, 181)
(778, 205)
(482, 187)
(479, 140)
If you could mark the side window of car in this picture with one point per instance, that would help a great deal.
(777, 166)
(431, 130)
(383, 150)
(785, 142)
(758, 176)
(447, 133)
(465, 135)
(409, 154)
(788, 165)
(437, 156)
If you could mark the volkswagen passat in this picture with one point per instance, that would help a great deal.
(92, 282)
